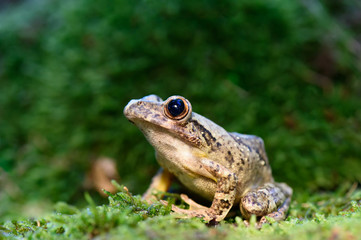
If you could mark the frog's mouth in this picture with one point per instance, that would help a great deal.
(131, 121)
(151, 129)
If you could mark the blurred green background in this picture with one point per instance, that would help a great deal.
(288, 71)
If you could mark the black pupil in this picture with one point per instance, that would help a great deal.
(176, 107)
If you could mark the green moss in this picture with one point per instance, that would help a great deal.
(126, 216)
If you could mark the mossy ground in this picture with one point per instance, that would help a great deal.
(322, 216)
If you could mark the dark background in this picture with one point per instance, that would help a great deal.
(288, 71)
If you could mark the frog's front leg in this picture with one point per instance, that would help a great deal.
(223, 199)
(160, 182)
(271, 200)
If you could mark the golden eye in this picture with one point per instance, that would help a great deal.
(176, 108)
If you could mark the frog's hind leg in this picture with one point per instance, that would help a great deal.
(223, 198)
(271, 200)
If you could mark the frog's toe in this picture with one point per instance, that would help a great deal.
(175, 210)
(179, 212)
(164, 202)
(207, 215)
(192, 204)
(257, 225)
(246, 223)
(276, 216)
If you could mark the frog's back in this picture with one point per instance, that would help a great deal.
(254, 143)
(255, 169)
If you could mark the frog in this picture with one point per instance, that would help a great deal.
(228, 169)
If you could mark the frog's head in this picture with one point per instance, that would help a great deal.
(151, 109)
(161, 120)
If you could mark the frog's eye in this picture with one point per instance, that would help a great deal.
(176, 108)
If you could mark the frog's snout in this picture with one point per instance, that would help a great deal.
(128, 109)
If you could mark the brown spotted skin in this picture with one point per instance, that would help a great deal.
(226, 168)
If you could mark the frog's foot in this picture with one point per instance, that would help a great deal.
(271, 200)
(197, 210)
(278, 215)
(223, 198)
(206, 214)
(192, 204)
